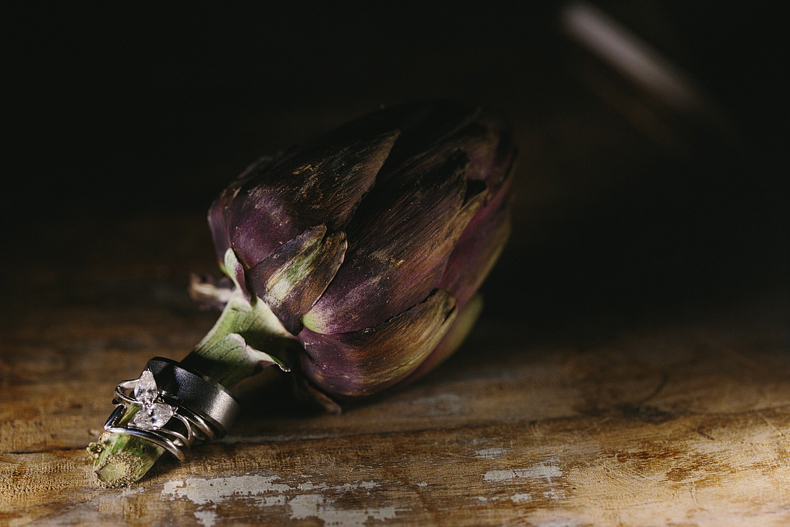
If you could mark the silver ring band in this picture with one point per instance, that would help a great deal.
(173, 407)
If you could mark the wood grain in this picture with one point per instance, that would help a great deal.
(683, 420)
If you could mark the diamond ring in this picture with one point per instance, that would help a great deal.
(173, 406)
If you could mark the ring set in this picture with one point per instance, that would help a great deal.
(174, 407)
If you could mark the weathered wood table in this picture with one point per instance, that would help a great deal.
(680, 419)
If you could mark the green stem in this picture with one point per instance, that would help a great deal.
(120, 459)
(228, 354)
(230, 351)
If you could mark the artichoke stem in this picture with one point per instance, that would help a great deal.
(227, 354)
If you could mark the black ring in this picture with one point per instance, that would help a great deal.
(195, 392)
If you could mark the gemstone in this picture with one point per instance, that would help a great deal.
(153, 416)
(146, 390)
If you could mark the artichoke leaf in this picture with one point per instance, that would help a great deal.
(322, 186)
(295, 276)
(360, 363)
(399, 244)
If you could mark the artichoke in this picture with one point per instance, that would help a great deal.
(355, 259)
(369, 242)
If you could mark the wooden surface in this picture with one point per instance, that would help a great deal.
(632, 363)
(681, 420)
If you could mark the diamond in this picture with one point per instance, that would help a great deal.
(146, 389)
(153, 416)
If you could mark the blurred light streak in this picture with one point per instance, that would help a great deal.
(627, 53)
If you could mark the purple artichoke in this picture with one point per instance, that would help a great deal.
(369, 243)
(355, 260)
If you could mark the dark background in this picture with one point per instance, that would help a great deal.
(150, 112)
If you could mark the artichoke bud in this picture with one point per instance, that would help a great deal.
(369, 243)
